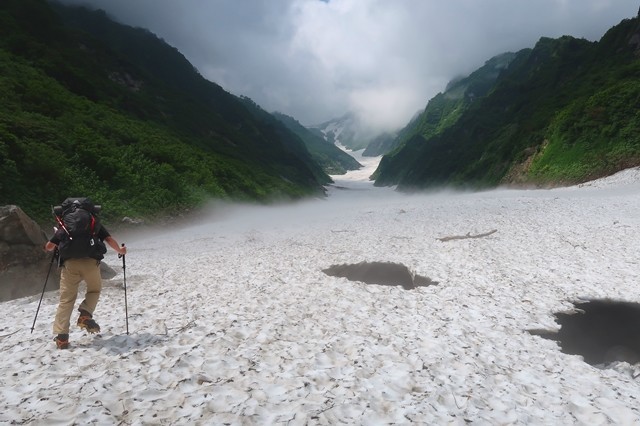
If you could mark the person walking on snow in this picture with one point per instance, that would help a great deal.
(80, 242)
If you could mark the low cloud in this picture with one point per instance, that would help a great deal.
(383, 60)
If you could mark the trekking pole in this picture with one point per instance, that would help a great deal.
(53, 256)
(124, 272)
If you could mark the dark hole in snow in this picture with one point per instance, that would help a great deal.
(383, 273)
(602, 331)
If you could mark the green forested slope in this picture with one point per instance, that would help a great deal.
(562, 112)
(332, 159)
(81, 117)
(442, 111)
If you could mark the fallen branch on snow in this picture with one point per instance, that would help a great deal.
(462, 237)
(7, 335)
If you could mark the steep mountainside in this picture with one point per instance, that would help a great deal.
(380, 145)
(293, 145)
(332, 159)
(96, 108)
(344, 130)
(446, 108)
(562, 112)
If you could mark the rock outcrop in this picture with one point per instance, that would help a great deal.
(23, 262)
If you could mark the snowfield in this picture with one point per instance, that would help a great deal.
(232, 320)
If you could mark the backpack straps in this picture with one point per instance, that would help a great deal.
(61, 223)
(93, 224)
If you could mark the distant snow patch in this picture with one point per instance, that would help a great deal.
(630, 176)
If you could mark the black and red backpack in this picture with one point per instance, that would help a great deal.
(77, 217)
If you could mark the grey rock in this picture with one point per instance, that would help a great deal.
(24, 264)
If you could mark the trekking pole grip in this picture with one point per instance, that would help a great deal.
(121, 255)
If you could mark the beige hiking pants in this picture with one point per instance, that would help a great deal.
(74, 271)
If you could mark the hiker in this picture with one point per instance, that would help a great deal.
(80, 242)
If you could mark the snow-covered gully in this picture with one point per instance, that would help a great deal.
(233, 320)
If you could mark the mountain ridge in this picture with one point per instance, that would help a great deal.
(522, 131)
(348, 131)
(331, 158)
(84, 115)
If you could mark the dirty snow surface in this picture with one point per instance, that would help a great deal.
(232, 321)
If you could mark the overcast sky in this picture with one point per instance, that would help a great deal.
(382, 59)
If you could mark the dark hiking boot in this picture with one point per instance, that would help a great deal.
(62, 341)
(86, 321)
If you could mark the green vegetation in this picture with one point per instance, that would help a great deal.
(593, 137)
(95, 115)
(442, 112)
(332, 159)
(563, 112)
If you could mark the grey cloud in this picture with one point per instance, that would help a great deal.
(383, 59)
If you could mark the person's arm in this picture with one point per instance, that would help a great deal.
(114, 245)
(54, 241)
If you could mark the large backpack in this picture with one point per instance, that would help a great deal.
(77, 217)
